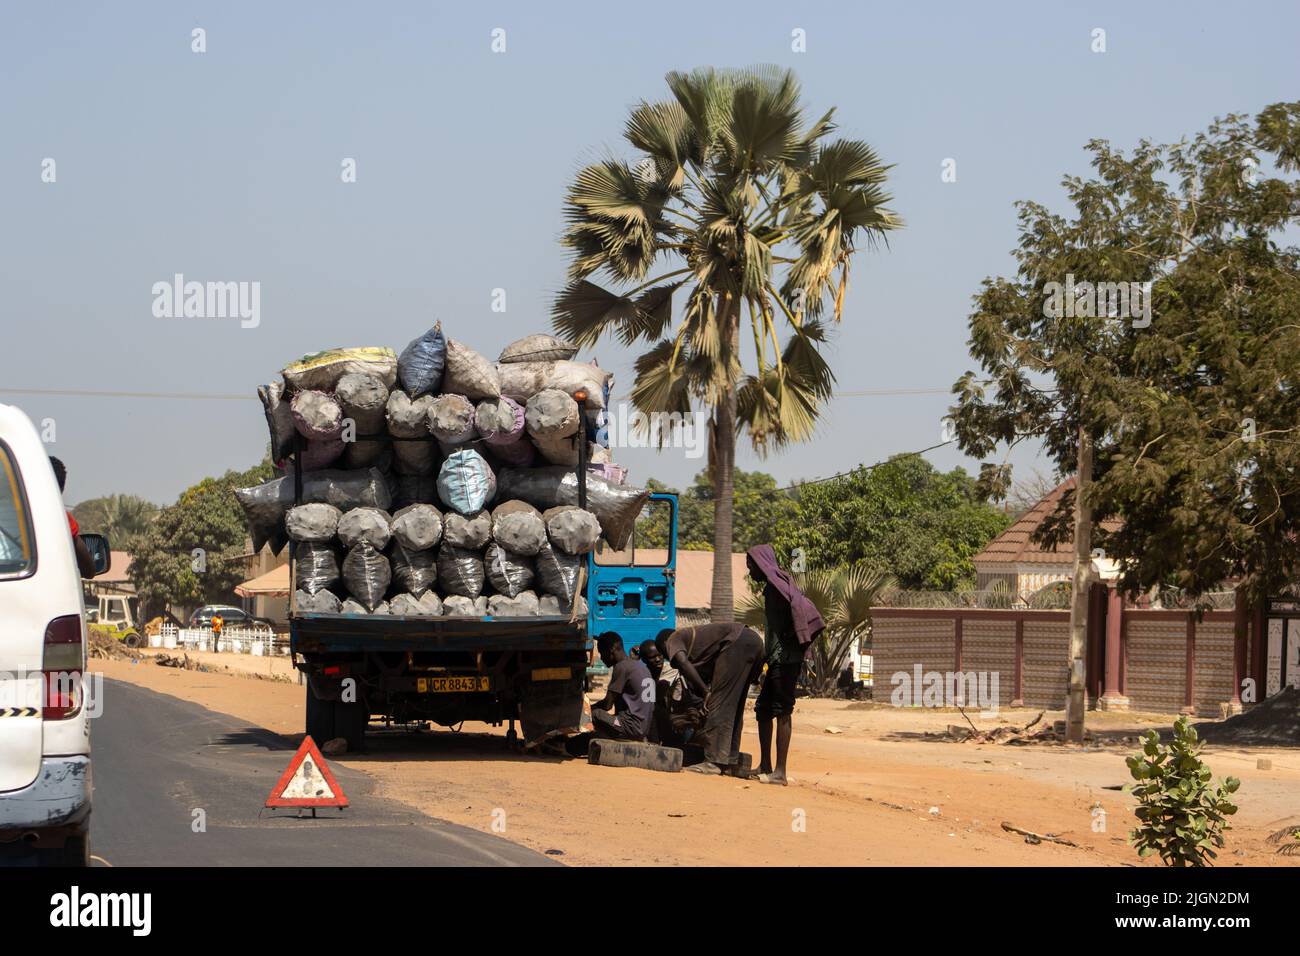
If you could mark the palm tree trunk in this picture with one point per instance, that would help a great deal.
(723, 466)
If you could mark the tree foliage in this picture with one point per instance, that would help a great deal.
(759, 512)
(123, 519)
(164, 567)
(921, 525)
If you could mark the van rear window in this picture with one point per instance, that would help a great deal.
(17, 545)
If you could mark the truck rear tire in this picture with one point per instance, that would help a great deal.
(320, 718)
(350, 723)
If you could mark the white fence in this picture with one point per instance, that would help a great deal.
(257, 639)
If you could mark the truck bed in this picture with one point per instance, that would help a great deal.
(310, 633)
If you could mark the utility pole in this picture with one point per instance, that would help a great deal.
(1079, 591)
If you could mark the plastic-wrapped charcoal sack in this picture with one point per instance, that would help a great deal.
(522, 380)
(524, 604)
(468, 373)
(457, 606)
(414, 571)
(615, 506)
(509, 573)
(319, 455)
(557, 572)
(500, 421)
(571, 529)
(279, 419)
(312, 522)
(364, 399)
(317, 565)
(517, 526)
(408, 419)
(366, 575)
(317, 416)
(518, 454)
(451, 419)
(322, 602)
(548, 605)
(414, 490)
(551, 413)
(419, 367)
(466, 482)
(265, 505)
(370, 525)
(460, 571)
(322, 370)
(538, 348)
(363, 454)
(417, 527)
(408, 605)
(559, 451)
(472, 532)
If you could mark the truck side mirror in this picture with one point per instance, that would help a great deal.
(97, 544)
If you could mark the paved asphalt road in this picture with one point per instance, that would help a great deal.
(157, 758)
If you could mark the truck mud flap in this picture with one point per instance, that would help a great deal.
(551, 709)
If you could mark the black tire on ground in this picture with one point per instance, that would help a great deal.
(350, 723)
(320, 718)
(74, 852)
(133, 640)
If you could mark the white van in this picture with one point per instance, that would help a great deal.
(44, 731)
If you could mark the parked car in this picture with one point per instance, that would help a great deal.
(230, 616)
(45, 791)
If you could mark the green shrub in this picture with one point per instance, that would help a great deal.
(1179, 815)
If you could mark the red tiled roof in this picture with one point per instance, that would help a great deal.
(1016, 544)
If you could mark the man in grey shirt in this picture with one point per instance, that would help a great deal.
(630, 695)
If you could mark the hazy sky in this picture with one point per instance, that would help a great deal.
(225, 165)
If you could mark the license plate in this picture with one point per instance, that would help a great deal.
(450, 685)
(552, 673)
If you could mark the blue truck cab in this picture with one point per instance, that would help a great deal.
(633, 592)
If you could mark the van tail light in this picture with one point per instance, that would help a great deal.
(61, 667)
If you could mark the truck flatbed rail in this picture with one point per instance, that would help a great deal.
(365, 632)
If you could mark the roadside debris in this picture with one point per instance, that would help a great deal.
(106, 647)
(334, 747)
(184, 662)
(1036, 838)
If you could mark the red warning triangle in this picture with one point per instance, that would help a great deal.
(308, 782)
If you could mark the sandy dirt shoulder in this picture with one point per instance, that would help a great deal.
(873, 791)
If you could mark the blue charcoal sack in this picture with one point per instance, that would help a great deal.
(419, 367)
(466, 482)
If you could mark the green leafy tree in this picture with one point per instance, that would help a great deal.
(207, 518)
(759, 511)
(1149, 406)
(1179, 815)
(921, 525)
(844, 598)
(755, 215)
(124, 519)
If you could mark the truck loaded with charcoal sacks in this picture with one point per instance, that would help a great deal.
(457, 534)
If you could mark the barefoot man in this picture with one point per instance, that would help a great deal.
(791, 625)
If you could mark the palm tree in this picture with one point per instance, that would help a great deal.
(844, 597)
(122, 518)
(752, 214)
